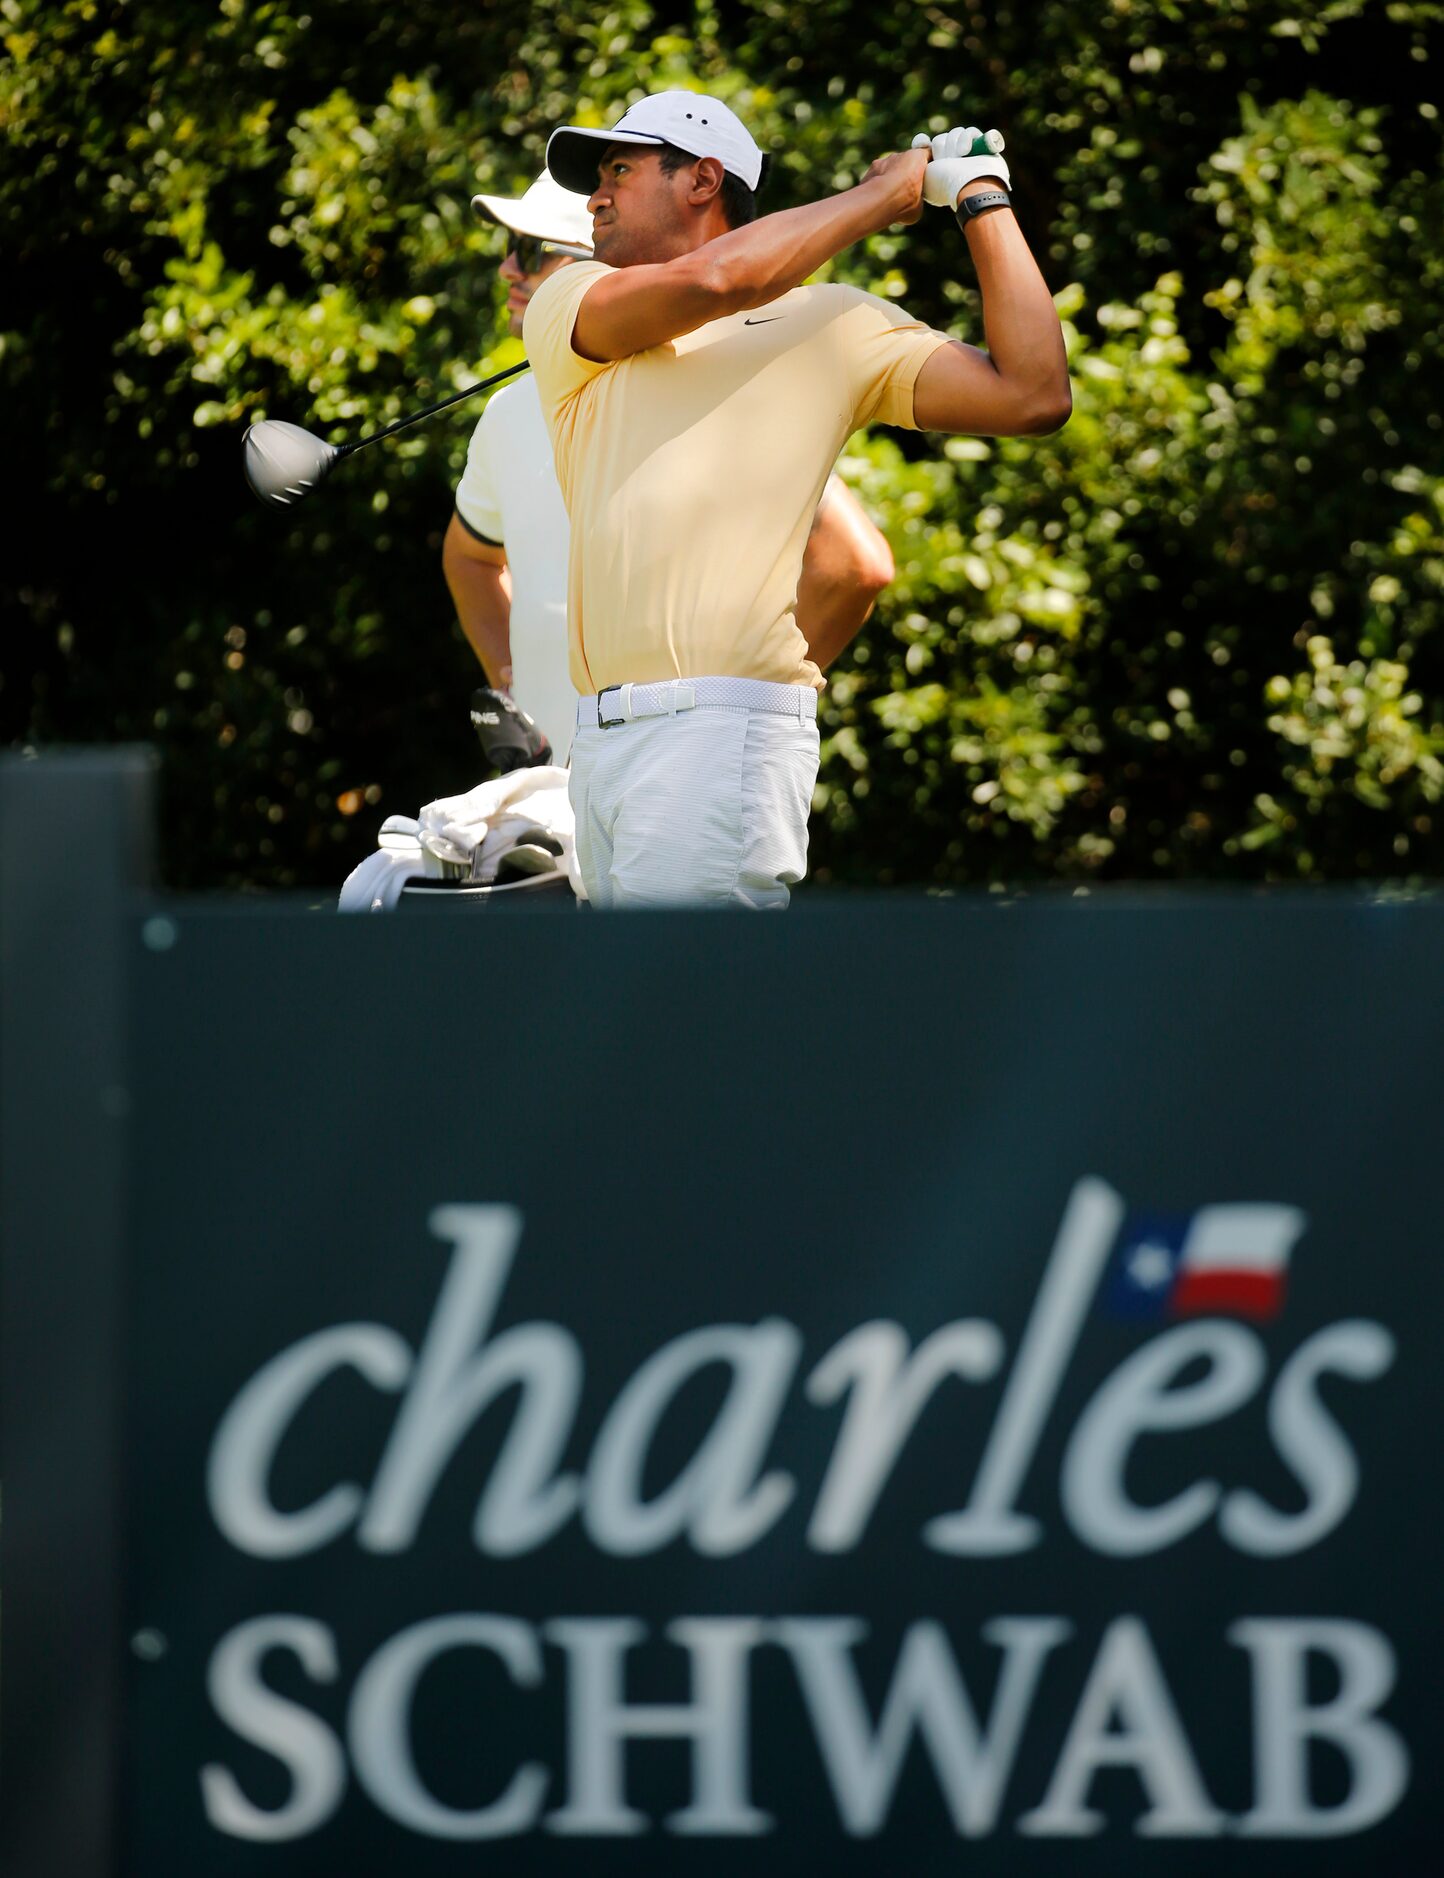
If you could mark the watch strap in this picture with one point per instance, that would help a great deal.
(969, 208)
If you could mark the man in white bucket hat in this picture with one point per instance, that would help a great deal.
(506, 547)
(697, 393)
(505, 550)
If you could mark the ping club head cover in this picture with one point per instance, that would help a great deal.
(509, 738)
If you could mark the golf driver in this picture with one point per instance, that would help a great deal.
(284, 462)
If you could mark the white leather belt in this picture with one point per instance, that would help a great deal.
(616, 705)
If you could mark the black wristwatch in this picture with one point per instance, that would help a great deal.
(969, 208)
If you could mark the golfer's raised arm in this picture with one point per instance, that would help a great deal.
(634, 308)
(1019, 386)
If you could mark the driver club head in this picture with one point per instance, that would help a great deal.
(284, 462)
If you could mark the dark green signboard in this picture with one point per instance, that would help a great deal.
(902, 1388)
(837, 1390)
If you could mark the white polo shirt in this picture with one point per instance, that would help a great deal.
(509, 496)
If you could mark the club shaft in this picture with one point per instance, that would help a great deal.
(348, 449)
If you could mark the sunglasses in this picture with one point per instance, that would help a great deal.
(531, 251)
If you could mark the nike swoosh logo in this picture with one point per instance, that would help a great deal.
(772, 321)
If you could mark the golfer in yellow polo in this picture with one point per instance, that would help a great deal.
(697, 395)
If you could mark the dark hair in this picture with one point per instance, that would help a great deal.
(739, 204)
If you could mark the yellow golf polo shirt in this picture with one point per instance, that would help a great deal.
(692, 472)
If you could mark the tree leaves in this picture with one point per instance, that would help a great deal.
(1197, 633)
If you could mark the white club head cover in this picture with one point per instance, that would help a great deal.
(952, 166)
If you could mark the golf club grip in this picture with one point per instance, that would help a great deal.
(472, 391)
(986, 143)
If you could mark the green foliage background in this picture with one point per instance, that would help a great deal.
(1199, 633)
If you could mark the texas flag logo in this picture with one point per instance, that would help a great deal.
(1219, 1260)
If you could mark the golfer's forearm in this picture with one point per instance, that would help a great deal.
(631, 309)
(1020, 322)
(752, 265)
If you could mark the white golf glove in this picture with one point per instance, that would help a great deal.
(960, 156)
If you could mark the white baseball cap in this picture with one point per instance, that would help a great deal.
(702, 126)
(546, 211)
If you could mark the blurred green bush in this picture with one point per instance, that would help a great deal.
(1195, 634)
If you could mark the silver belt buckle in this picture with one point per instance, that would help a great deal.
(604, 722)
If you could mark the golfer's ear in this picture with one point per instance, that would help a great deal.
(707, 182)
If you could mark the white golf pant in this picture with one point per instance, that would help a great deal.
(705, 806)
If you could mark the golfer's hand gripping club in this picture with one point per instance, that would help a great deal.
(960, 157)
